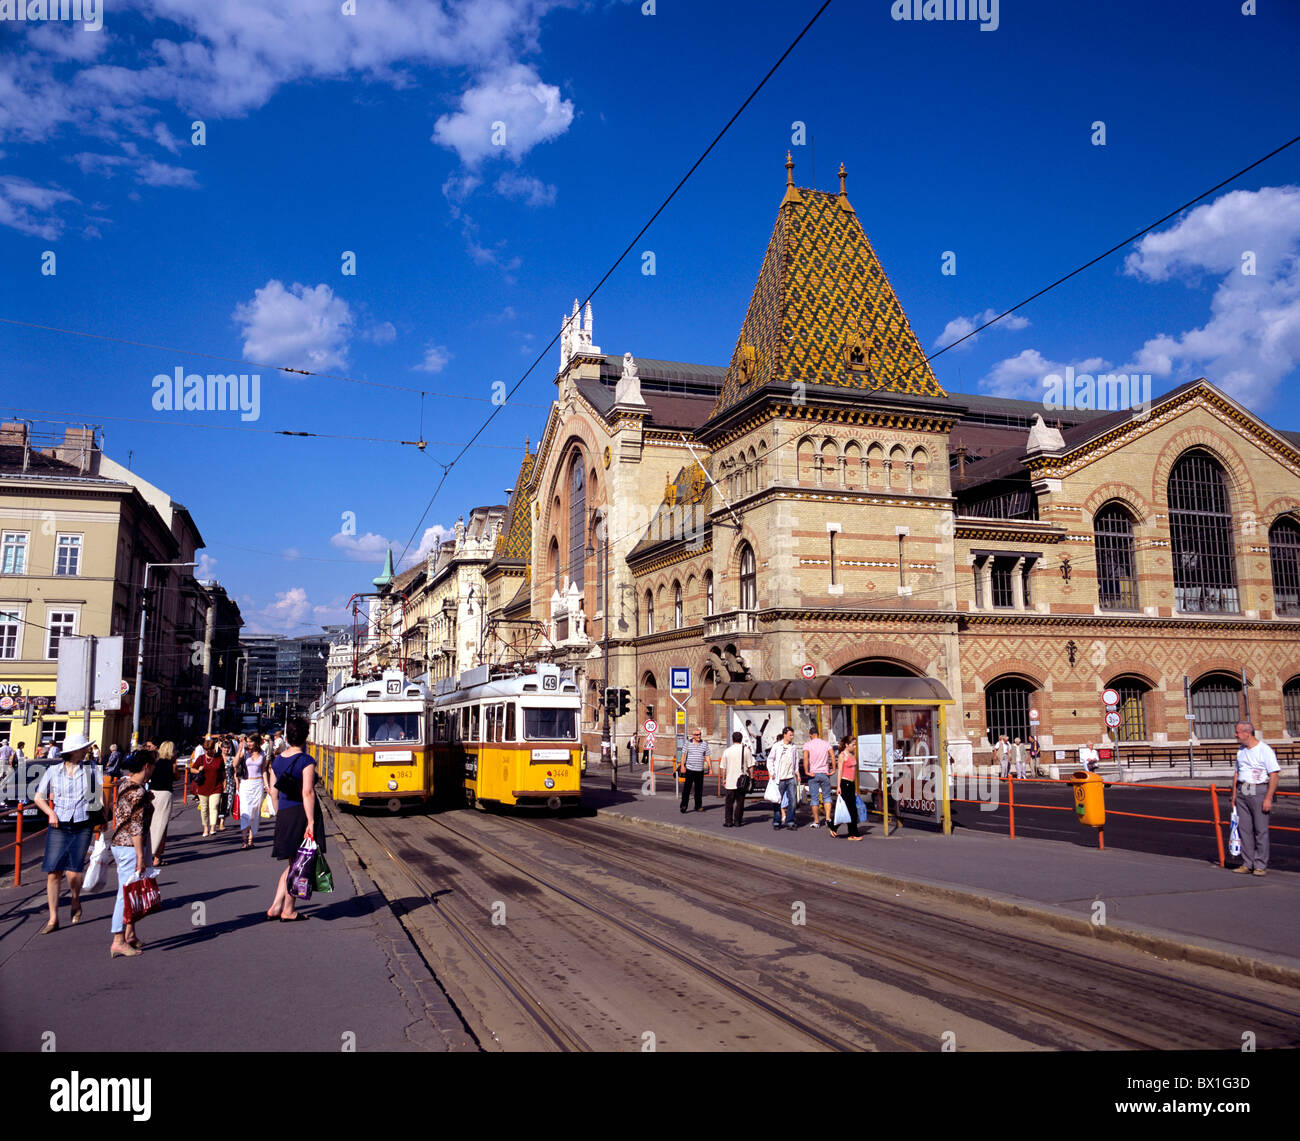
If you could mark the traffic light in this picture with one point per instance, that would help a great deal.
(610, 699)
(624, 706)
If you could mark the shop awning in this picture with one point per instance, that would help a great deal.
(833, 691)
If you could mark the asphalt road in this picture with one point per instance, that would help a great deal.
(582, 933)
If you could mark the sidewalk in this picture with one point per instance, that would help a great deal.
(1175, 908)
(216, 974)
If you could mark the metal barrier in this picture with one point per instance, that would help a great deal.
(1214, 820)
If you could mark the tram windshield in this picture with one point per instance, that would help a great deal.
(550, 724)
(385, 727)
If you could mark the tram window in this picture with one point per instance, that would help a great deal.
(489, 723)
(354, 719)
(510, 722)
(464, 723)
(501, 723)
(474, 723)
(550, 724)
(393, 727)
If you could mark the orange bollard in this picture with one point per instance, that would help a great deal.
(1011, 803)
(18, 848)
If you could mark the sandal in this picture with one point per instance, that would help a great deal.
(52, 925)
(76, 916)
(293, 918)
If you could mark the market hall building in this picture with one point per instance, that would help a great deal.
(822, 501)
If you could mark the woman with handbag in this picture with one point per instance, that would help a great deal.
(77, 809)
(847, 766)
(209, 770)
(251, 770)
(298, 813)
(131, 820)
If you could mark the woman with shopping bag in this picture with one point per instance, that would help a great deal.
(298, 813)
(847, 766)
(131, 848)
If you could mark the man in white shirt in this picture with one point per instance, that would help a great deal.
(1003, 753)
(783, 767)
(1257, 776)
(736, 759)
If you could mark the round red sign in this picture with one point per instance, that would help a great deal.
(1110, 697)
(808, 670)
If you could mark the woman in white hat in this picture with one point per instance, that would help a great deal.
(75, 793)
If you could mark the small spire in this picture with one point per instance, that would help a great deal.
(844, 195)
(791, 191)
(527, 447)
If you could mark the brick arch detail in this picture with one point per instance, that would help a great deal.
(1197, 668)
(1021, 666)
(1127, 494)
(1283, 505)
(878, 648)
(1241, 488)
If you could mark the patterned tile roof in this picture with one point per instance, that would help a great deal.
(823, 310)
(516, 538)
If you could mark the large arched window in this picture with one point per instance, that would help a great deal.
(1200, 523)
(1006, 708)
(1116, 570)
(1291, 706)
(649, 613)
(1284, 551)
(1216, 704)
(677, 606)
(708, 592)
(554, 556)
(577, 524)
(748, 578)
(1132, 708)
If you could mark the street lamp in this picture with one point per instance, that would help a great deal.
(139, 660)
(607, 738)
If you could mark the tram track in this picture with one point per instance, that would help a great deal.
(640, 934)
(1010, 989)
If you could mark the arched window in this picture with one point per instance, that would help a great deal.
(1284, 551)
(1200, 523)
(554, 556)
(577, 525)
(1216, 704)
(677, 606)
(1006, 708)
(708, 592)
(1132, 708)
(748, 578)
(649, 613)
(649, 696)
(1291, 706)
(1116, 576)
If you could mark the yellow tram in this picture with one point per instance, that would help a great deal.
(370, 742)
(514, 737)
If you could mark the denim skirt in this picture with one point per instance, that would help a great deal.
(66, 847)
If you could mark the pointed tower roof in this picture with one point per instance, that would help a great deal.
(823, 311)
(385, 575)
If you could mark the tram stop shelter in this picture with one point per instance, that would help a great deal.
(899, 723)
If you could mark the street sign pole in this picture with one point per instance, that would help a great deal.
(1191, 723)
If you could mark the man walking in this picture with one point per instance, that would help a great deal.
(782, 764)
(697, 757)
(1018, 758)
(736, 759)
(1257, 776)
(817, 760)
(1003, 753)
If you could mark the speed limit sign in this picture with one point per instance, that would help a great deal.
(1112, 720)
(651, 726)
(1110, 697)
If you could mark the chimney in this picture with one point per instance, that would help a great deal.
(961, 461)
(78, 448)
(13, 433)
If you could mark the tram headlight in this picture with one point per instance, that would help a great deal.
(549, 782)
(392, 786)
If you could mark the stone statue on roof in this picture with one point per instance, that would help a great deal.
(629, 384)
(1044, 439)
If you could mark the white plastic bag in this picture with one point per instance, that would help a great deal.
(842, 815)
(1234, 837)
(772, 794)
(101, 857)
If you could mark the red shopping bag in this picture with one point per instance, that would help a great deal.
(235, 810)
(139, 898)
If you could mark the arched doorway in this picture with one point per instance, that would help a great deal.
(878, 667)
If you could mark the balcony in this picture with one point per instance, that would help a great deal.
(732, 623)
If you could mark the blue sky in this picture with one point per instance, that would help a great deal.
(328, 132)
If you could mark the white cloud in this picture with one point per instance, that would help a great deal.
(367, 548)
(1251, 341)
(533, 191)
(165, 138)
(153, 173)
(1021, 377)
(207, 567)
(289, 609)
(507, 112)
(958, 327)
(431, 538)
(385, 333)
(299, 327)
(29, 208)
(435, 358)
